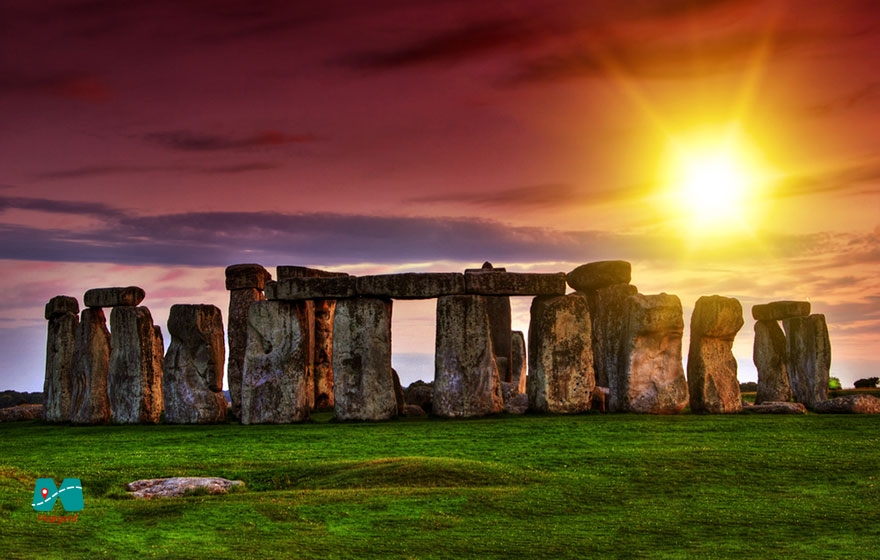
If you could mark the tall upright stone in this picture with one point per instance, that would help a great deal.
(323, 332)
(466, 381)
(91, 367)
(711, 368)
(192, 380)
(245, 283)
(135, 376)
(62, 312)
(651, 378)
(518, 362)
(363, 379)
(499, 324)
(277, 385)
(608, 315)
(561, 375)
(771, 358)
(809, 358)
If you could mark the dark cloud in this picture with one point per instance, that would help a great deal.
(95, 209)
(103, 170)
(84, 87)
(551, 195)
(199, 142)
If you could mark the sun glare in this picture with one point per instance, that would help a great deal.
(713, 182)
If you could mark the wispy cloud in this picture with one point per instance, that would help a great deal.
(189, 141)
(551, 195)
(84, 87)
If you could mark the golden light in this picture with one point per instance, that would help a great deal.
(713, 182)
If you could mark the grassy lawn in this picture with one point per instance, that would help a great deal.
(611, 486)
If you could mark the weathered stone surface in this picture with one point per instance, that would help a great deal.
(779, 310)
(850, 404)
(466, 381)
(608, 316)
(91, 367)
(244, 276)
(711, 367)
(411, 285)
(561, 374)
(296, 289)
(135, 378)
(277, 385)
(420, 394)
(21, 412)
(192, 379)
(600, 274)
(651, 379)
(325, 309)
(413, 411)
(60, 343)
(599, 397)
(499, 326)
(771, 356)
(515, 401)
(240, 302)
(180, 486)
(114, 297)
(399, 395)
(287, 272)
(61, 305)
(809, 358)
(775, 407)
(363, 382)
(495, 283)
(518, 361)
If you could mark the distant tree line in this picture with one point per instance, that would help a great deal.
(869, 383)
(14, 398)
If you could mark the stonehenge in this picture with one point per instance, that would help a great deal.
(314, 339)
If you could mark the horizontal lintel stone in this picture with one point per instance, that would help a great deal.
(491, 283)
(779, 310)
(243, 276)
(411, 285)
(114, 297)
(293, 289)
(285, 272)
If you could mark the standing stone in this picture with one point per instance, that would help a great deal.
(363, 380)
(711, 367)
(771, 357)
(277, 386)
(651, 379)
(91, 367)
(499, 324)
(192, 380)
(135, 377)
(809, 358)
(466, 381)
(518, 363)
(246, 283)
(325, 310)
(561, 375)
(608, 316)
(63, 315)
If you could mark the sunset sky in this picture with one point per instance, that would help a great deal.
(155, 142)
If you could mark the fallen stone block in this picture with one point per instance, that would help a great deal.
(411, 285)
(21, 412)
(180, 486)
(114, 297)
(779, 310)
(515, 401)
(600, 274)
(771, 407)
(494, 283)
(850, 404)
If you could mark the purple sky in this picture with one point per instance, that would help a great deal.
(156, 142)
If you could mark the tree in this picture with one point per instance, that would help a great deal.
(869, 383)
(834, 384)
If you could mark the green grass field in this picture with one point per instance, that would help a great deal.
(610, 486)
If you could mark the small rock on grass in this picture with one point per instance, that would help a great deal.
(178, 486)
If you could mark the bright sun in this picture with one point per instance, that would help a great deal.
(712, 182)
